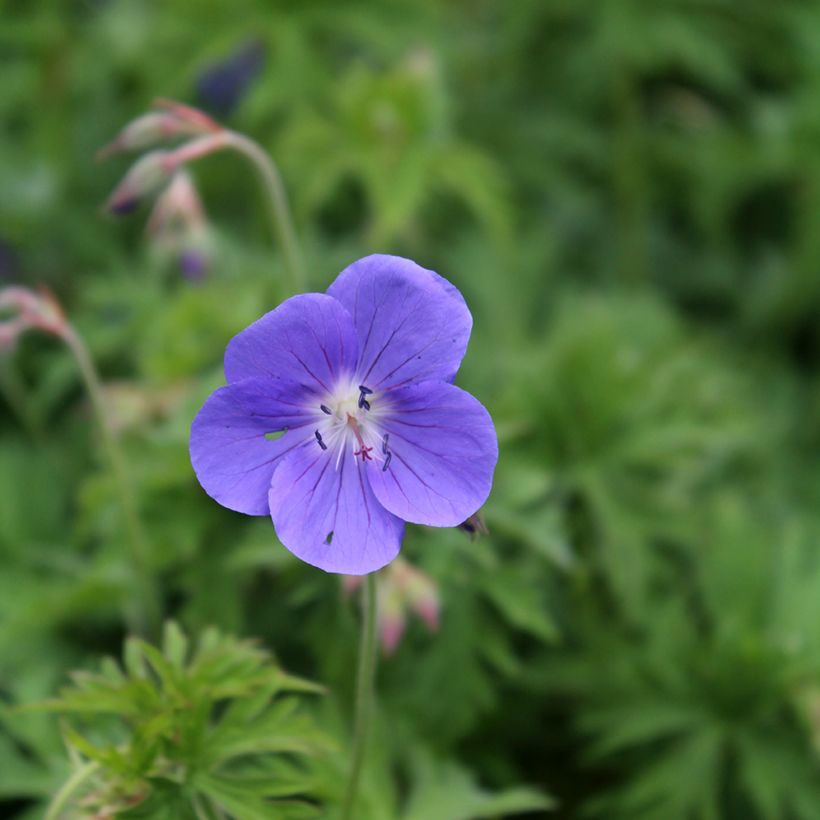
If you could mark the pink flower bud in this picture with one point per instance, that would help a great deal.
(423, 598)
(350, 583)
(150, 130)
(177, 206)
(9, 333)
(429, 610)
(391, 623)
(146, 176)
(192, 117)
(22, 309)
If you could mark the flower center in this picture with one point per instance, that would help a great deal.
(350, 423)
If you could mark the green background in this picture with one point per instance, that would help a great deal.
(627, 192)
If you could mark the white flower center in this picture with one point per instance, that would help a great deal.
(349, 424)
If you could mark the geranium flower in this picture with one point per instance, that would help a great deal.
(340, 419)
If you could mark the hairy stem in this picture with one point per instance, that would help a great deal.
(364, 693)
(278, 204)
(71, 785)
(146, 615)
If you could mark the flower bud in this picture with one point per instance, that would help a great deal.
(10, 331)
(193, 264)
(423, 598)
(392, 618)
(350, 583)
(146, 176)
(23, 309)
(178, 206)
(172, 122)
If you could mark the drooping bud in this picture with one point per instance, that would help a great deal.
(192, 117)
(193, 264)
(178, 206)
(22, 309)
(179, 229)
(10, 331)
(401, 588)
(350, 583)
(145, 177)
(392, 619)
(148, 131)
(423, 598)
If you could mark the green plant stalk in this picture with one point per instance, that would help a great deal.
(14, 394)
(280, 214)
(71, 785)
(146, 616)
(365, 677)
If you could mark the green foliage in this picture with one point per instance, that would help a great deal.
(626, 192)
(190, 732)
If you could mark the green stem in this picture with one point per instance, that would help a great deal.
(14, 394)
(67, 791)
(278, 203)
(147, 611)
(365, 676)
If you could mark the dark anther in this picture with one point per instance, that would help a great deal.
(385, 438)
(319, 439)
(366, 390)
(363, 402)
(387, 462)
(326, 410)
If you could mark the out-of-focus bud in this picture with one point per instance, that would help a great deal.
(156, 128)
(178, 205)
(422, 596)
(401, 587)
(22, 309)
(392, 618)
(350, 583)
(179, 229)
(193, 264)
(474, 526)
(9, 333)
(146, 176)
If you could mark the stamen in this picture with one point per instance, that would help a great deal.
(386, 451)
(364, 404)
(319, 439)
(326, 410)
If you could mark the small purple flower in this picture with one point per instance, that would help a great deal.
(341, 421)
(221, 87)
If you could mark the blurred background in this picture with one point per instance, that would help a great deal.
(627, 192)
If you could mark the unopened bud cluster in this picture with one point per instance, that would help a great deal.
(177, 226)
(402, 589)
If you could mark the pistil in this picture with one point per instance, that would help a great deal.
(364, 450)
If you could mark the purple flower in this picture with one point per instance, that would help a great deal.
(374, 433)
(221, 87)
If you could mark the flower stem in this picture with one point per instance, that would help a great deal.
(365, 676)
(278, 204)
(71, 785)
(146, 615)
